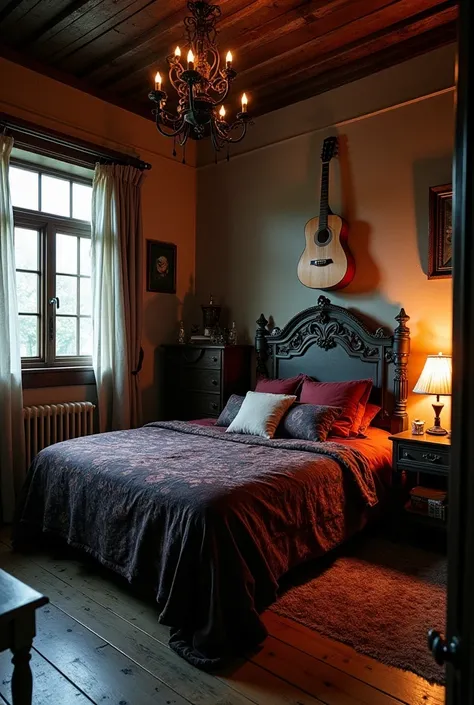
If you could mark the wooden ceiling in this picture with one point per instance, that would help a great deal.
(285, 50)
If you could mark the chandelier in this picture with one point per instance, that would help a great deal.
(201, 86)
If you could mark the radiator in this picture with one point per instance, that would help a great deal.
(51, 423)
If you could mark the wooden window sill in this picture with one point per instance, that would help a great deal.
(57, 377)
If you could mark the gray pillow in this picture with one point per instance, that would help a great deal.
(230, 410)
(261, 413)
(309, 422)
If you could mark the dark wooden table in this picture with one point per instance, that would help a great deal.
(18, 604)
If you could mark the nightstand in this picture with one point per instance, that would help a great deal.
(419, 460)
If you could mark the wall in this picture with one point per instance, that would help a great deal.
(395, 142)
(169, 200)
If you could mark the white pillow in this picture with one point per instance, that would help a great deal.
(261, 413)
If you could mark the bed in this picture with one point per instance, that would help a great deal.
(211, 520)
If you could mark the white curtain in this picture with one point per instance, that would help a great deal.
(117, 294)
(12, 454)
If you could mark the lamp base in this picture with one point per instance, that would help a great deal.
(436, 431)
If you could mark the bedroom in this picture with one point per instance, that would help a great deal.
(238, 227)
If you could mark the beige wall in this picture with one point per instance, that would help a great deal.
(252, 211)
(169, 199)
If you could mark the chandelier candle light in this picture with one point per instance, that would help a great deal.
(201, 86)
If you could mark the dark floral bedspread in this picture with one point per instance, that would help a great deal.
(211, 520)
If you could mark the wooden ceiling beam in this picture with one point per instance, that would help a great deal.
(8, 7)
(399, 33)
(161, 38)
(315, 21)
(320, 83)
(59, 18)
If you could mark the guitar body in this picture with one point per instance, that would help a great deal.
(326, 263)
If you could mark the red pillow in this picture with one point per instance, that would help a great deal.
(361, 409)
(347, 395)
(279, 386)
(371, 411)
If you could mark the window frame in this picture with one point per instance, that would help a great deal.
(48, 225)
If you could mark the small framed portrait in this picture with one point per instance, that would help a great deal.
(440, 255)
(161, 267)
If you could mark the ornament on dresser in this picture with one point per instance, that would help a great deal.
(181, 334)
(232, 338)
(211, 315)
(417, 427)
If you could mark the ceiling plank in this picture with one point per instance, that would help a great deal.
(65, 15)
(92, 23)
(7, 7)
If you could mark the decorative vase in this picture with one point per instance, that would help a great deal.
(210, 314)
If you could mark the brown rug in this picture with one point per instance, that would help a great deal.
(379, 597)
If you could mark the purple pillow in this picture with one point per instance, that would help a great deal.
(309, 422)
(230, 410)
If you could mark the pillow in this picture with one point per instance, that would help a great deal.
(309, 421)
(261, 413)
(347, 395)
(230, 411)
(361, 409)
(371, 411)
(279, 386)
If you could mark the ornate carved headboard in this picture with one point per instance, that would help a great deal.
(330, 343)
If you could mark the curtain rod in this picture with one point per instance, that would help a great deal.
(59, 145)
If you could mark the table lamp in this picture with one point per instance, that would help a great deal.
(436, 379)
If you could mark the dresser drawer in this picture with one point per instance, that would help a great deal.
(419, 455)
(198, 357)
(201, 406)
(197, 379)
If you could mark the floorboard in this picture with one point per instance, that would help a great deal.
(103, 641)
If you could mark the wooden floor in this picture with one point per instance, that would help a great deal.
(99, 643)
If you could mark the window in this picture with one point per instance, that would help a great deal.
(52, 213)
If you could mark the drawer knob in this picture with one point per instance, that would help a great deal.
(406, 454)
(214, 359)
(431, 457)
(215, 382)
(214, 405)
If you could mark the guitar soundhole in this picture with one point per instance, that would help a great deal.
(323, 237)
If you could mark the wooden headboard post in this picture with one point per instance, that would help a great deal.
(261, 348)
(399, 356)
(331, 343)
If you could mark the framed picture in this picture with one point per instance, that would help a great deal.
(161, 267)
(440, 259)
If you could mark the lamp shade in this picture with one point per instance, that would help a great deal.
(436, 376)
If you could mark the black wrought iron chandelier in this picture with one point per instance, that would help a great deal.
(202, 87)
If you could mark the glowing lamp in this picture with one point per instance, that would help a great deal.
(436, 379)
(222, 112)
(190, 60)
(228, 59)
(177, 52)
(158, 81)
(244, 103)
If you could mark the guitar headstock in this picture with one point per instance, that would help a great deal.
(329, 149)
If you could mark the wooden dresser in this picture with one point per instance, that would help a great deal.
(200, 379)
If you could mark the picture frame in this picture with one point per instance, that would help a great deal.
(440, 261)
(161, 267)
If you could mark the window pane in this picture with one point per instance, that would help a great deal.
(29, 338)
(55, 195)
(26, 248)
(66, 291)
(86, 336)
(27, 292)
(81, 201)
(66, 336)
(86, 297)
(66, 254)
(85, 256)
(24, 188)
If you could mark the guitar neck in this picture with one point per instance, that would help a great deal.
(324, 202)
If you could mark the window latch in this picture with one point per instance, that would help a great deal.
(54, 301)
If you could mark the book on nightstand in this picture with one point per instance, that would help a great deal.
(429, 501)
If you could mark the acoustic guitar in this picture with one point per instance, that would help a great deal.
(327, 262)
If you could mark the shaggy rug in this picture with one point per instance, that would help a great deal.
(379, 597)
